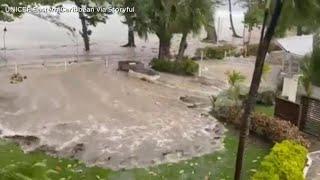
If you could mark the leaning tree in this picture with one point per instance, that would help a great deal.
(269, 25)
(158, 17)
(90, 18)
(130, 19)
(192, 16)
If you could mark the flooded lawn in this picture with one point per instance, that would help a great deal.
(104, 117)
(219, 165)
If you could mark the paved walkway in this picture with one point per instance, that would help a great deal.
(314, 171)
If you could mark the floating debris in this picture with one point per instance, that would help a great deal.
(17, 78)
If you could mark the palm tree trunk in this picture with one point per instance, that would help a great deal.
(316, 40)
(211, 34)
(131, 41)
(299, 30)
(84, 33)
(234, 33)
(255, 83)
(183, 46)
(164, 48)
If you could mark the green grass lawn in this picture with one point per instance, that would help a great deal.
(220, 165)
(267, 110)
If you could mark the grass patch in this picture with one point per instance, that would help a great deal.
(218, 165)
(267, 110)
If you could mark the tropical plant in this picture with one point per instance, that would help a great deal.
(91, 18)
(253, 19)
(234, 33)
(306, 76)
(158, 17)
(130, 18)
(192, 16)
(235, 78)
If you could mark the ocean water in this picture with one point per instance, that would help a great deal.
(30, 38)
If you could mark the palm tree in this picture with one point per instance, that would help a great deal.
(130, 18)
(158, 17)
(90, 18)
(210, 25)
(234, 33)
(192, 16)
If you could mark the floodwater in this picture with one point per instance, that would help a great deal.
(33, 39)
(105, 118)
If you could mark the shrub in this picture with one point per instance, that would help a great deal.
(217, 52)
(316, 67)
(235, 78)
(285, 162)
(266, 98)
(183, 67)
(274, 129)
(253, 49)
(305, 80)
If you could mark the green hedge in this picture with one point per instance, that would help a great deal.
(183, 67)
(253, 49)
(271, 128)
(285, 162)
(217, 52)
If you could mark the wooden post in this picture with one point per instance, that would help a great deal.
(106, 62)
(15, 68)
(201, 60)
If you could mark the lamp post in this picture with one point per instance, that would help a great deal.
(4, 43)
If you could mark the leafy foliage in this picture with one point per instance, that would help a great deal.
(183, 67)
(298, 13)
(235, 78)
(253, 49)
(254, 16)
(315, 66)
(286, 162)
(217, 52)
(276, 129)
(306, 78)
(193, 15)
